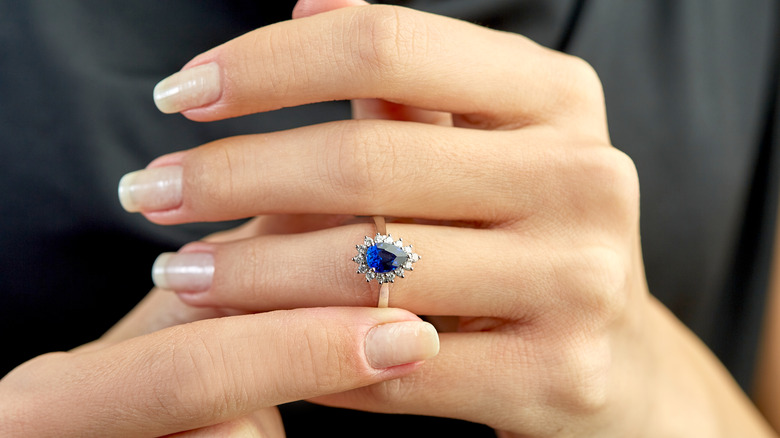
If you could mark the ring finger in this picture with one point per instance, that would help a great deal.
(314, 269)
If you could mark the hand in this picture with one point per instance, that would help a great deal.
(557, 334)
(154, 374)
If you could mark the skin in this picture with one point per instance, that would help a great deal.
(231, 369)
(502, 148)
(767, 383)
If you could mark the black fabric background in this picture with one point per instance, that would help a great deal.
(691, 89)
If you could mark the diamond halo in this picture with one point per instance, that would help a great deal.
(382, 259)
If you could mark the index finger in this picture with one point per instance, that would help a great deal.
(386, 52)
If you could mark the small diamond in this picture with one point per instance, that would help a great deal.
(387, 277)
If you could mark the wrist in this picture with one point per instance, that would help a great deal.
(693, 395)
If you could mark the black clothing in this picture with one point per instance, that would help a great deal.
(692, 96)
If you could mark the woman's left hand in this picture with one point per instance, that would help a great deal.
(525, 216)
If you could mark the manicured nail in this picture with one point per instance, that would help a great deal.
(154, 189)
(190, 88)
(399, 343)
(185, 272)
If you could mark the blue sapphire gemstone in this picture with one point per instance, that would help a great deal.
(385, 257)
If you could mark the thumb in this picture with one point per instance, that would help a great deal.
(208, 372)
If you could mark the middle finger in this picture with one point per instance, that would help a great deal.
(367, 167)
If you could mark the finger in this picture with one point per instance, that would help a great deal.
(463, 382)
(392, 53)
(352, 167)
(208, 372)
(307, 8)
(372, 108)
(265, 423)
(494, 378)
(315, 269)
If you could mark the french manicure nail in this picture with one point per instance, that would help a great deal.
(399, 343)
(190, 88)
(183, 272)
(154, 189)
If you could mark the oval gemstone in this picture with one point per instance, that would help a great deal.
(385, 257)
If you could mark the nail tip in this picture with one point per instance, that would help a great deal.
(158, 270)
(161, 94)
(188, 89)
(401, 343)
(183, 272)
(123, 191)
(435, 343)
(154, 189)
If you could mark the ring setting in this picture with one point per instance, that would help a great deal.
(382, 258)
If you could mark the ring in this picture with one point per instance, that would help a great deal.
(383, 259)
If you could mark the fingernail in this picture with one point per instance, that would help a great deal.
(190, 88)
(154, 189)
(186, 272)
(399, 343)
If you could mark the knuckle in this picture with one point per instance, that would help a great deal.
(583, 81)
(250, 270)
(325, 364)
(358, 157)
(587, 367)
(602, 186)
(576, 83)
(197, 389)
(617, 179)
(593, 280)
(211, 175)
(606, 274)
(391, 38)
(626, 182)
(275, 48)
